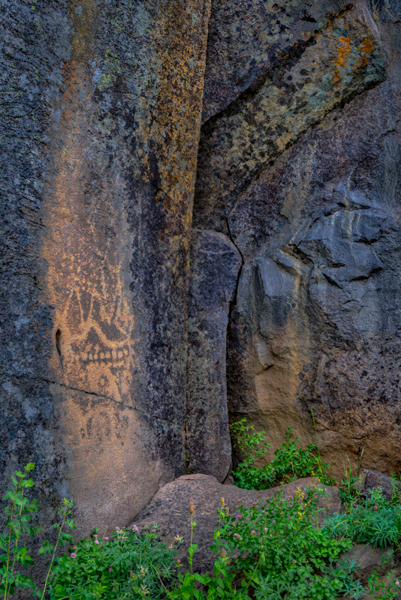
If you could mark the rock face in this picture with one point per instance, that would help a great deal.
(300, 167)
(101, 104)
(169, 509)
(159, 277)
(370, 480)
(215, 266)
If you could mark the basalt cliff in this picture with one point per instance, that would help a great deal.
(200, 222)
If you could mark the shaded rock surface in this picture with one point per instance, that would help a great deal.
(301, 169)
(370, 480)
(215, 263)
(169, 509)
(371, 559)
(151, 268)
(95, 246)
(366, 556)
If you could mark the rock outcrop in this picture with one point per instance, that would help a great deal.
(299, 165)
(200, 221)
(101, 107)
(215, 265)
(169, 510)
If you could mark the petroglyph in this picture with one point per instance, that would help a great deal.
(96, 348)
(87, 251)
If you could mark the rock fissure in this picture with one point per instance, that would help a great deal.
(87, 393)
(160, 278)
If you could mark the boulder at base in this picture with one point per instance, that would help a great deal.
(169, 509)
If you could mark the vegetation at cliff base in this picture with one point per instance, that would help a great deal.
(291, 462)
(281, 548)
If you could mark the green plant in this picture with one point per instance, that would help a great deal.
(64, 512)
(294, 558)
(386, 590)
(219, 585)
(349, 492)
(19, 512)
(372, 521)
(128, 565)
(291, 461)
(395, 490)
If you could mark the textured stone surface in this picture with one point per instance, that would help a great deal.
(247, 38)
(215, 263)
(169, 509)
(336, 62)
(365, 556)
(298, 166)
(370, 480)
(303, 175)
(371, 559)
(316, 323)
(117, 249)
(101, 106)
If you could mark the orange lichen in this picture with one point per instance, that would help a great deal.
(366, 48)
(343, 52)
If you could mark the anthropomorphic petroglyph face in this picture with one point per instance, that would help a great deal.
(86, 250)
(95, 349)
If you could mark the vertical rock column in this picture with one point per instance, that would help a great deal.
(116, 245)
(214, 271)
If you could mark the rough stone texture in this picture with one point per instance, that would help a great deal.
(370, 480)
(117, 248)
(332, 65)
(34, 43)
(371, 559)
(101, 107)
(247, 38)
(169, 509)
(365, 556)
(300, 168)
(215, 263)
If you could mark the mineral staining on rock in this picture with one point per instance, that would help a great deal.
(298, 165)
(33, 47)
(114, 328)
(112, 247)
(316, 323)
(323, 71)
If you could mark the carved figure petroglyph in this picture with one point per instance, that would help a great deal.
(96, 346)
(86, 248)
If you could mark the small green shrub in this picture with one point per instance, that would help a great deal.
(295, 559)
(19, 511)
(128, 565)
(273, 550)
(371, 521)
(216, 586)
(384, 590)
(291, 462)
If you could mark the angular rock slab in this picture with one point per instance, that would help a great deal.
(366, 555)
(247, 38)
(215, 263)
(340, 59)
(371, 480)
(169, 509)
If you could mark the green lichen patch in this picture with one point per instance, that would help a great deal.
(113, 69)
